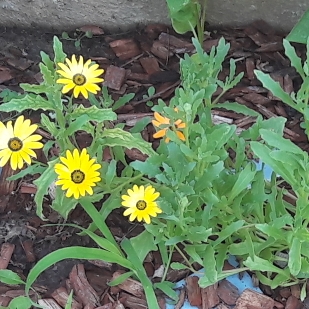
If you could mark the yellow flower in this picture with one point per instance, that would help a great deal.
(141, 203)
(163, 123)
(17, 143)
(77, 173)
(81, 76)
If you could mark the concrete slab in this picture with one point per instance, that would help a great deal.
(122, 14)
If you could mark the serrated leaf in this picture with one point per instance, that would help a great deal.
(94, 113)
(118, 137)
(29, 170)
(260, 264)
(58, 51)
(294, 262)
(277, 141)
(295, 60)
(49, 125)
(238, 108)
(275, 88)
(210, 264)
(27, 102)
(42, 183)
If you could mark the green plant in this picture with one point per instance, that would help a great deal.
(186, 15)
(77, 38)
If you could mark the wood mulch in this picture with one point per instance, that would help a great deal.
(133, 61)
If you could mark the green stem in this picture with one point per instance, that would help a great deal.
(185, 258)
(168, 263)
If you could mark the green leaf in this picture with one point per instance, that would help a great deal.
(295, 60)
(178, 266)
(209, 263)
(263, 152)
(32, 169)
(26, 102)
(119, 137)
(94, 113)
(76, 125)
(277, 141)
(46, 60)
(168, 289)
(111, 172)
(120, 279)
(295, 257)
(20, 302)
(228, 231)
(42, 183)
(263, 265)
(74, 252)
(49, 125)
(62, 204)
(184, 14)
(9, 277)
(143, 244)
(238, 108)
(275, 88)
(58, 51)
(68, 304)
(244, 179)
(299, 33)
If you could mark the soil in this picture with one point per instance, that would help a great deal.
(27, 237)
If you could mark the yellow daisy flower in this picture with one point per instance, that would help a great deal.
(77, 173)
(17, 143)
(163, 123)
(81, 76)
(141, 203)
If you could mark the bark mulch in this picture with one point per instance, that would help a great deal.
(133, 61)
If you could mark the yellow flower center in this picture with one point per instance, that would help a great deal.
(79, 79)
(141, 205)
(77, 176)
(15, 144)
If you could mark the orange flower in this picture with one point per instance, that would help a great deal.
(163, 123)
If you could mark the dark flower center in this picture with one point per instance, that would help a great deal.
(77, 176)
(141, 205)
(79, 79)
(15, 144)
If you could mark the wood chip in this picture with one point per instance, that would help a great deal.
(21, 64)
(61, 296)
(250, 299)
(193, 291)
(5, 74)
(130, 285)
(6, 252)
(293, 303)
(125, 48)
(132, 301)
(48, 303)
(159, 50)
(114, 77)
(228, 292)
(210, 297)
(82, 288)
(28, 248)
(150, 65)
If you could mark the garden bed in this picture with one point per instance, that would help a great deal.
(133, 62)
